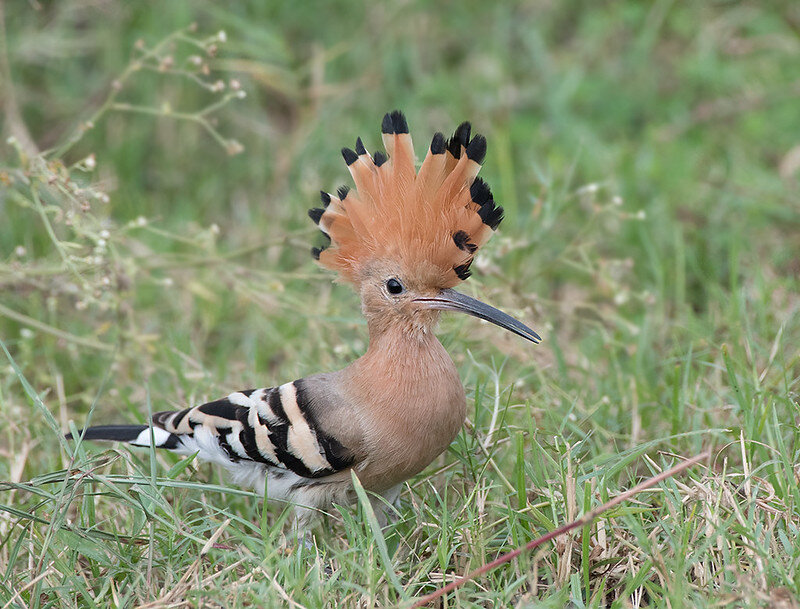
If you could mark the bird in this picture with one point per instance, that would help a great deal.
(403, 239)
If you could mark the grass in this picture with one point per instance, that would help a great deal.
(646, 154)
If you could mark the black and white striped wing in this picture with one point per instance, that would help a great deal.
(274, 426)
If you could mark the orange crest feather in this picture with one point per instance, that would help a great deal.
(438, 217)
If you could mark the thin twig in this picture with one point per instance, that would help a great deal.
(116, 87)
(54, 238)
(35, 323)
(584, 520)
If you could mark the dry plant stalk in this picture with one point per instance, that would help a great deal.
(584, 520)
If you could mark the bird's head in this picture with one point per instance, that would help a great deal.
(404, 238)
(411, 299)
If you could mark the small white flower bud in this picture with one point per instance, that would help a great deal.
(233, 147)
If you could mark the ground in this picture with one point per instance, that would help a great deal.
(156, 167)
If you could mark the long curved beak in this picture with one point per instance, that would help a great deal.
(450, 300)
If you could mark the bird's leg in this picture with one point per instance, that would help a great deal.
(385, 505)
(301, 534)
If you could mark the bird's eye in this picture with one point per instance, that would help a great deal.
(394, 286)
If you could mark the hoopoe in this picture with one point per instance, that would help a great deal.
(403, 239)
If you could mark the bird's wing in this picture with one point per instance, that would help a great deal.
(274, 426)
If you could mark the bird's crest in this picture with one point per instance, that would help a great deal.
(437, 217)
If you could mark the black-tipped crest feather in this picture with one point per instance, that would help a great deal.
(461, 239)
(454, 147)
(462, 270)
(476, 149)
(438, 144)
(315, 214)
(399, 122)
(369, 223)
(360, 147)
(461, 134)
(479, 191)
(387, 125)
(491, 214)
(350, 156)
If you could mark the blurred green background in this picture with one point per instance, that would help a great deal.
(647, 155)
(685, 115)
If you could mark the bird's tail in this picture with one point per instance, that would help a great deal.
(136, 435)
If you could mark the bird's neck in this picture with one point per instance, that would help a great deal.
(408, 399)
(403, 364)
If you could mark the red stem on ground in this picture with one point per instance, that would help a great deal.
(585, 519)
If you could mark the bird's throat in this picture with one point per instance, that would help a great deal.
(408, 360)
(411, 400)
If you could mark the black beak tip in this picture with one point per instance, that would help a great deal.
(527, 334)
(450, 300)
